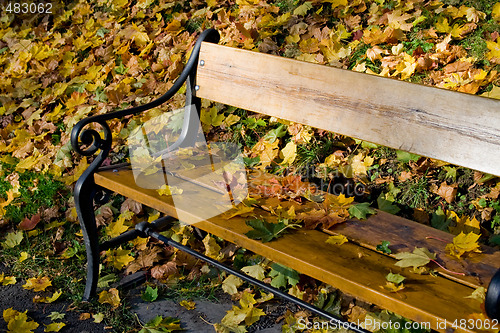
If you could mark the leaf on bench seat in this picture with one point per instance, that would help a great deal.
(267, 231)
(420, 257)
(463, 243)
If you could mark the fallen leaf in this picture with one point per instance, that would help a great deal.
(164, 271)
(420, 257)
(37, 284)
(231, 283)
(361, 210)
(463, 243)
(55, 296)
(54, 327)
(448, 192)
(266, 231)
(393, 287)
(98, 317)
(18, 321)
(150, 294)
(189, 305)
(119, 257)
(23, 256)
(110, 296)
(337, 240)
(29, 223)
(13, 239)
(479, 294)
(255, 271)
(169, 190)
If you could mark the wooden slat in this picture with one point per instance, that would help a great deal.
(405, 235)
(351, 268)
(454, 127)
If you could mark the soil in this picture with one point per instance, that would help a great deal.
(200, 319)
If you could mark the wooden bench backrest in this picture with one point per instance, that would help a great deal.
(450, 126)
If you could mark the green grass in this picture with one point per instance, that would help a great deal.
(414, 193)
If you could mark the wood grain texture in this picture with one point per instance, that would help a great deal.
(454, 127)
(352, 268)
(405, 235)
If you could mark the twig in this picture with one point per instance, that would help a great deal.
(447, 270)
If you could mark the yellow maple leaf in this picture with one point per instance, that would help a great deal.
(339, 201)
(10, 197)
(111, 297)
(169, 190)
(189, 305)
(54, 327)
(119, 257)
(210, 118)
(9, 314)
(392, 287)
(117, 4)
(8, 280)
(495, 12)
(494, 53)
(289, 153)
(238, 210)
(212, 249)
(23, 256)
(118, 227)
(231, 283)
(18, 321)
(336, 3)
(337, 240)
(37, 284)
(463, 243)
(76, 99)
(266, 151)
(442, 25)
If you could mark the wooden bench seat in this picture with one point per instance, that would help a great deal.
(453, 127)
(353, 267)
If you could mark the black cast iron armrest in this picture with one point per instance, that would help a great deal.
(90, 137)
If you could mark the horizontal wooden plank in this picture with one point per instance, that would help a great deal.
(454, 127)
(351, 268)
(404, 236)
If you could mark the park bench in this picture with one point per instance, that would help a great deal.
(454, 127)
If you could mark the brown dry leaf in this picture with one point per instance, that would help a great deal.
(405, 175)
(145, 259)
(185, 259)
(448, 192)
(322, 218)
(164, 271)
(84, 316)
(29, 223)
(131, 205)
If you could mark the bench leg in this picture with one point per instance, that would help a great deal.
(84, 202)
(492, 302)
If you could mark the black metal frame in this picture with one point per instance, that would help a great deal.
(88, 142)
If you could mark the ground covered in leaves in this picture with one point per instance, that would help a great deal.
(92, 57)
